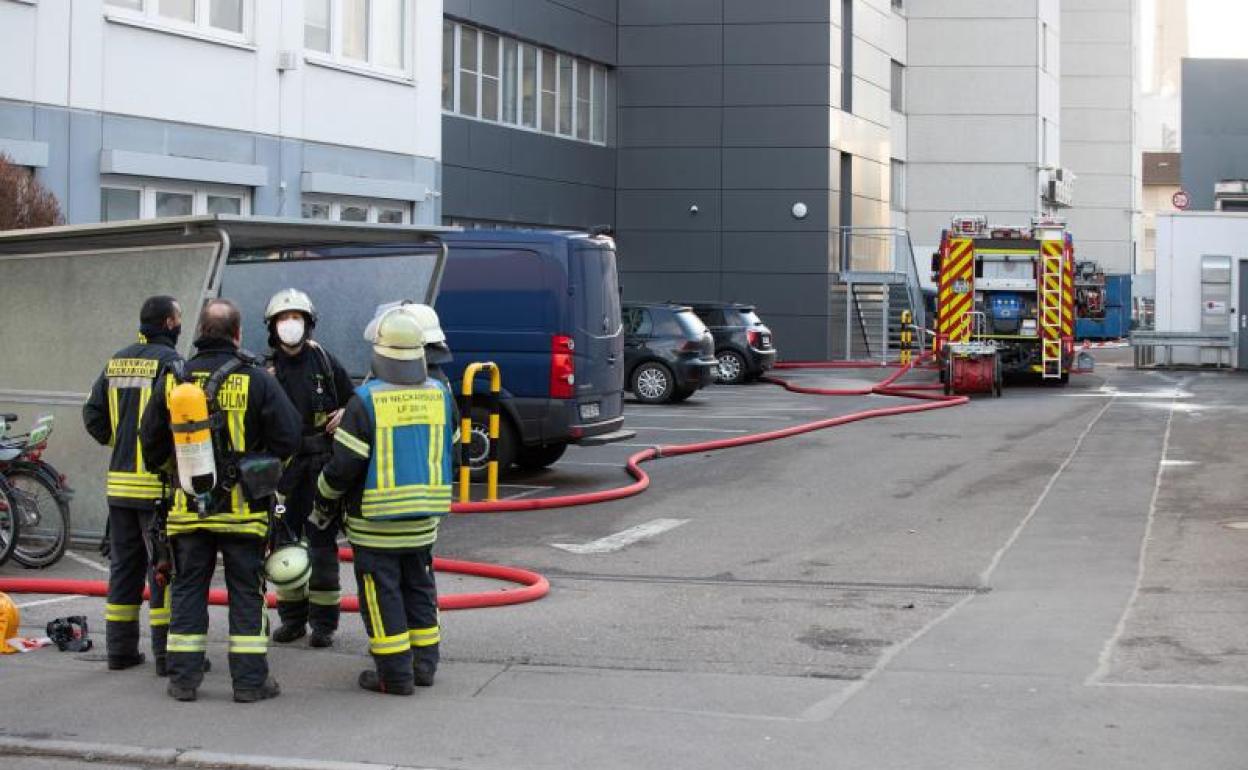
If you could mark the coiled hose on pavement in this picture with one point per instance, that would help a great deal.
(535, 586)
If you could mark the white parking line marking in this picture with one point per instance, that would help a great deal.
(1178, 463)
(594, 465)
(89, 562)
(53, 600)
(620, 540)
(527, 492)
(687, 430)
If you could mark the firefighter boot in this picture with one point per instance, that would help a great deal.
(425, 665)
(269, 689)
(369, 680)
(184, 694)
(123, 662)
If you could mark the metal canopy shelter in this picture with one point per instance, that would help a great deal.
(71, 295)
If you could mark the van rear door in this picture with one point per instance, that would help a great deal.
(599, 350)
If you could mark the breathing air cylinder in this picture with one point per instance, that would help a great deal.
(192, 439)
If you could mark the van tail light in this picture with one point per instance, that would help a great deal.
(1068, 346)
(562, 367)
(755, 338)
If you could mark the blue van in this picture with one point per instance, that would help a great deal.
(545, 306)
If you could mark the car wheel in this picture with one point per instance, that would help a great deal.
(478, 453)
(732, 369)
(535, 458)
(652, 383)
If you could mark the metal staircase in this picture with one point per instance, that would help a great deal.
(877, 282)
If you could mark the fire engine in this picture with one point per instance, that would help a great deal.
(1004, 303)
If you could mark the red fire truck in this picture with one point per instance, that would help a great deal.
(1004, 303)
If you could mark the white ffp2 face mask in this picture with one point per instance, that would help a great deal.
(290, 331)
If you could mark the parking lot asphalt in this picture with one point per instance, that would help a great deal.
(1050, 579)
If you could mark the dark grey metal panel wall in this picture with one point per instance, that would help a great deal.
(583, 27)
(1215, 125)
(505, 174)
(725, 105)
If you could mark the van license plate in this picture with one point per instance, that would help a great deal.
(591, 411)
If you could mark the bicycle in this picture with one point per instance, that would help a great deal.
(39, 494)
(8, 519)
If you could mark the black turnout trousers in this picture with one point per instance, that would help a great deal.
(195, 560)
(317, 602)
(129, 567)
(399, 605)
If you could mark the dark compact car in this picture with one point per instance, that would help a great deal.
(668, 352)
(743, 345)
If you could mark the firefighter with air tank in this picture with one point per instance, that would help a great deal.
(230, 427)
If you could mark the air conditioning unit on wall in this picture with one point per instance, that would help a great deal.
(1058, 188)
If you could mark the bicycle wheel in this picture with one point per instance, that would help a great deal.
(43, 528)
(8, 521)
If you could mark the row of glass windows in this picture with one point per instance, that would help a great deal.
(124, 199)
(492, 77)
(372, 33)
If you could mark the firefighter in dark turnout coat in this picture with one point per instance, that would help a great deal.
(135, 490)
(256, 419)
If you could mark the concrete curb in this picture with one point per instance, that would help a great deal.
(149, 757)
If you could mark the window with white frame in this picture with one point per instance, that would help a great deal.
(898, 92)
(897, 185)
(372, 34)
(378, 211)
(491, 77)
(228, 19)
(126, 199)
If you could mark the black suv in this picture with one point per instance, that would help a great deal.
(743, 345)
(668, 352)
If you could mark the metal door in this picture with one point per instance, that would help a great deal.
(1241, 313)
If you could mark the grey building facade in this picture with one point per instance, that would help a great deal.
(722, 167)
(1215, 126)
(82, 156)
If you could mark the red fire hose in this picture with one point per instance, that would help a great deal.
(534, 585)
(886, 387)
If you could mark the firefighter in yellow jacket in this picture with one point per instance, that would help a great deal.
(390, 478)
(251, 422)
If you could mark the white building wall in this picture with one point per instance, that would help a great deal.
(145, 67)
(867, 131)
(983, 110)
(1099, 137)
(83, 79)
(1182, 239)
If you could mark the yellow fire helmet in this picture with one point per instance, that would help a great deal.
(10, 622)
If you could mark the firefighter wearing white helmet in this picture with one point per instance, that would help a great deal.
(319, 387)
(437, 352)
(390, 480)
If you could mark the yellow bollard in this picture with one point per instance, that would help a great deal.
(465, 429)
(907, 336)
